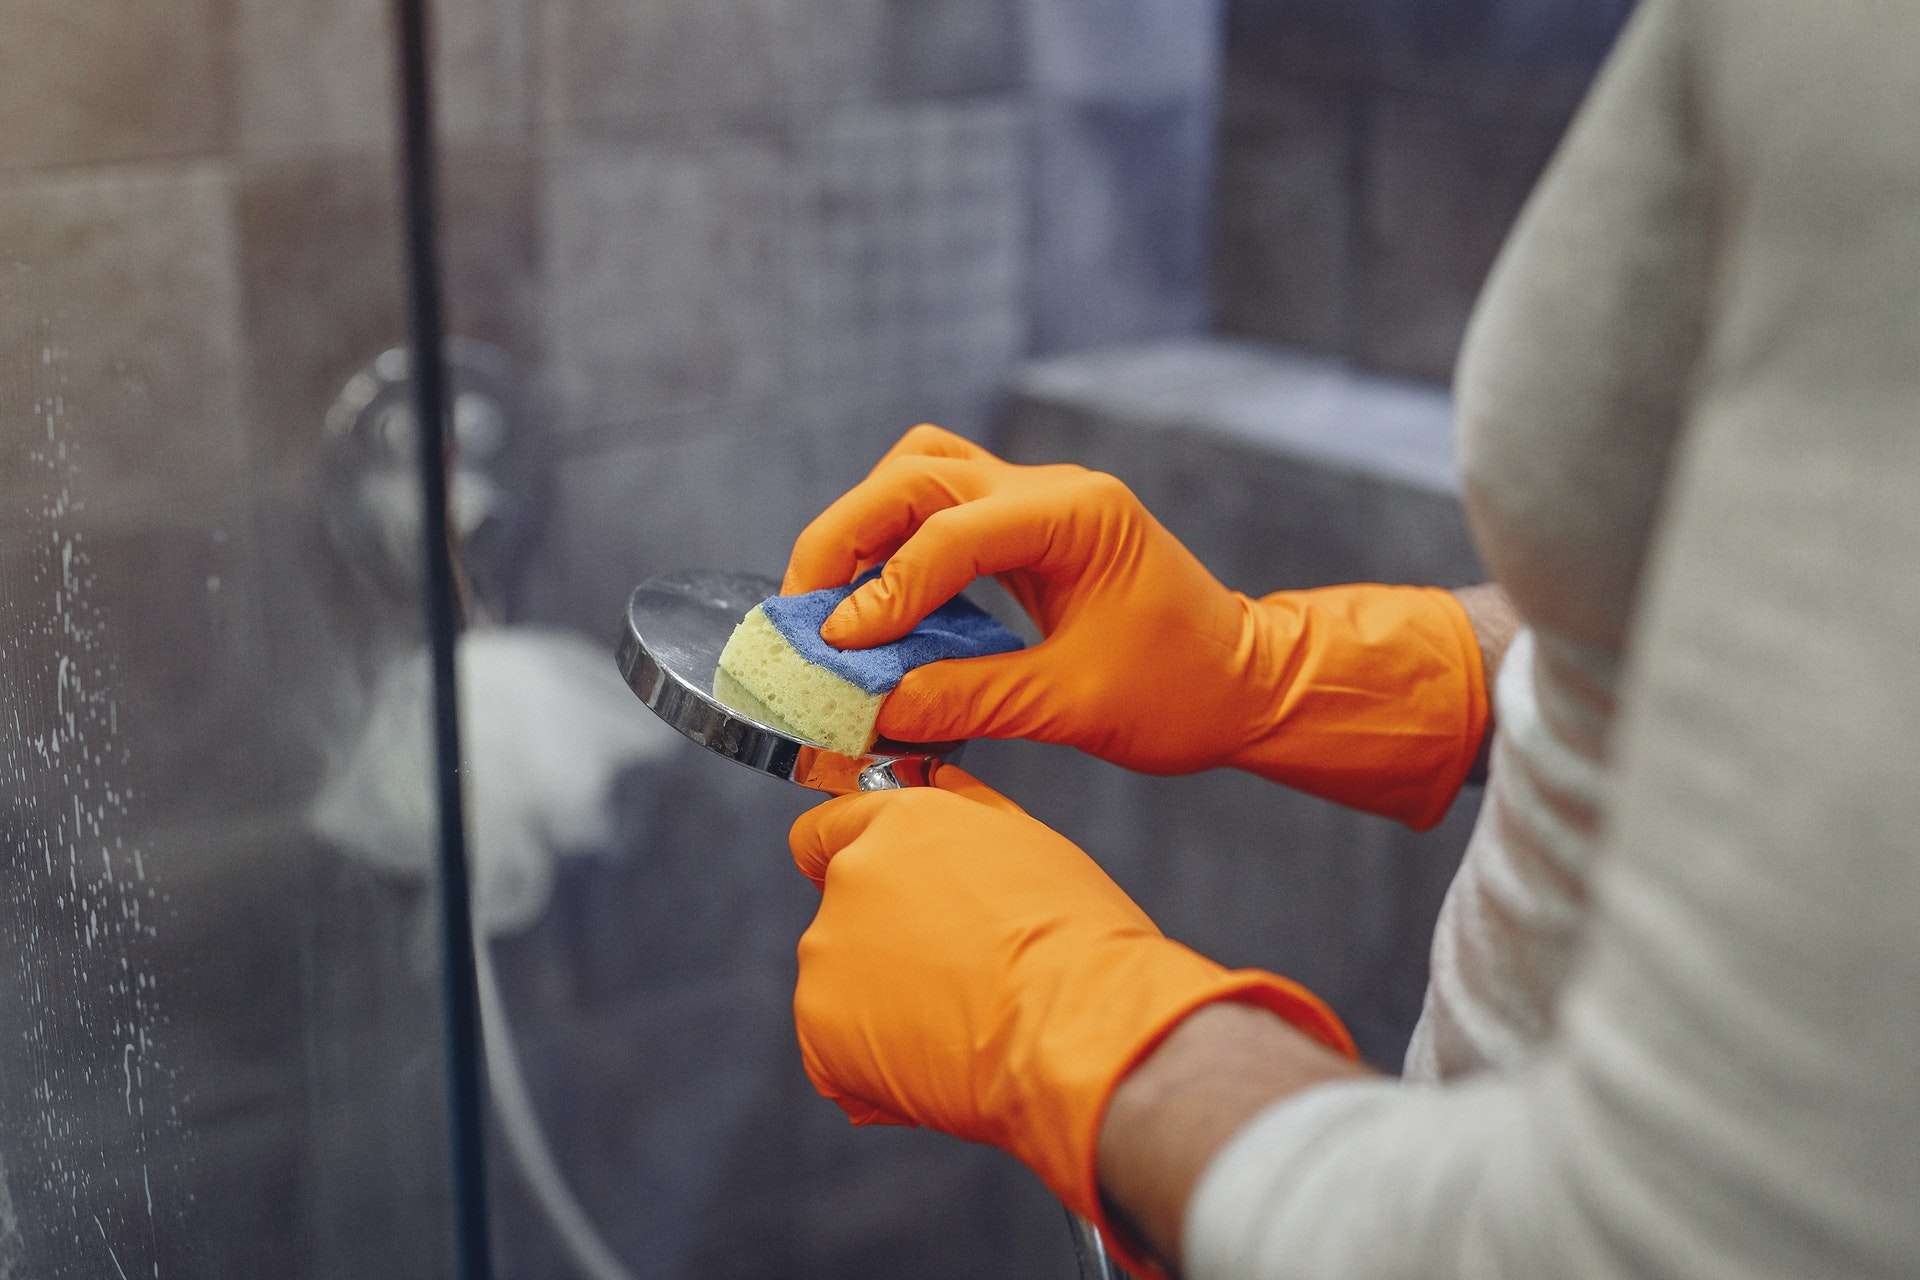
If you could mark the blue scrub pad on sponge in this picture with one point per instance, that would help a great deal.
(957, 629)
(832, 696)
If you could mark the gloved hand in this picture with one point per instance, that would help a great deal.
(1372, 696)
(972, 971)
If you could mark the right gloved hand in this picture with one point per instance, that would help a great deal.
(1372, 696)
(972, 971)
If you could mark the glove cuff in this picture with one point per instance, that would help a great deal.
(1379, 697)
(1153, 989)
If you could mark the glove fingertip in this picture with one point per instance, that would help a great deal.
(842, 627)
(818, 558)
(811, 844)
(864, 619)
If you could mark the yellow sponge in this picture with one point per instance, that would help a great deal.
(808, 699)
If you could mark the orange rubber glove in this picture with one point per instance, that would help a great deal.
(972, 971)
(1372, 696)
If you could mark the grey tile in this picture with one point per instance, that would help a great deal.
(239, 1210)
(1259, 876)
(319, 253)
(1452, 111)
(1122, 214)
(1282, 251)
(935, 48)
(630, 65)
(180, 608)
(664, 277)
(490, 250)
(318, 74)
(1124, 51)
(91, 82)
(320, 247)
(908, 248)
(844, 51)
(607, 61)
(483, 69)
(1256, 875)
(735, 1238)
(1546, 50)
(375, 1159)
(313, 75)
(668, 1116)
(886, 1200)
(1443, 180)
(1324, 40)
(899, 1202)
(723, 491)
(125, 312)
(831, 51)
(853, 425)
(709, 828)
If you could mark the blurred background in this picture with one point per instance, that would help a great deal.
(704, 260)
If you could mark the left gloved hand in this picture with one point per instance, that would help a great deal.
(1370, 695)
(972, 971)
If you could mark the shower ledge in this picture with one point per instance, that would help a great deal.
(1277, 467)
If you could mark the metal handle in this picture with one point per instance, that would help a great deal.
(896, 775)
(1088, 1249)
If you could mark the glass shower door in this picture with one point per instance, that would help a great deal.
(221, 1025)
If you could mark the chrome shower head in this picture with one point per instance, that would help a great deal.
(669, 653)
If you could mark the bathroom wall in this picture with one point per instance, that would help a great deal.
(776, 233)
(1373, 154)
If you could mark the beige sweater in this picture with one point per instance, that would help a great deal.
(1674, 1024)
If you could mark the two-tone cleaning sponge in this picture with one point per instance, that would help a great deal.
(776, 659)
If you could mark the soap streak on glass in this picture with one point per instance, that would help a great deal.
(81, 911)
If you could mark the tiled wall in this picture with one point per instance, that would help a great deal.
(1373, 154)
(776, 232)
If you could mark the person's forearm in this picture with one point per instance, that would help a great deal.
(1494, 622)
(1215, 1072)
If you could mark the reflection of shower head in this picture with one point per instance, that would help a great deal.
(497, 473)
(546, 736)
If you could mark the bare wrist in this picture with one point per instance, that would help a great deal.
(1495, 622)
(1173, 1112)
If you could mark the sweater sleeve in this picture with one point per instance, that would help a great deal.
(1726, 1085)
(1728, 1089)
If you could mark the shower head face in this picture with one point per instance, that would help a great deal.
(669, 653)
